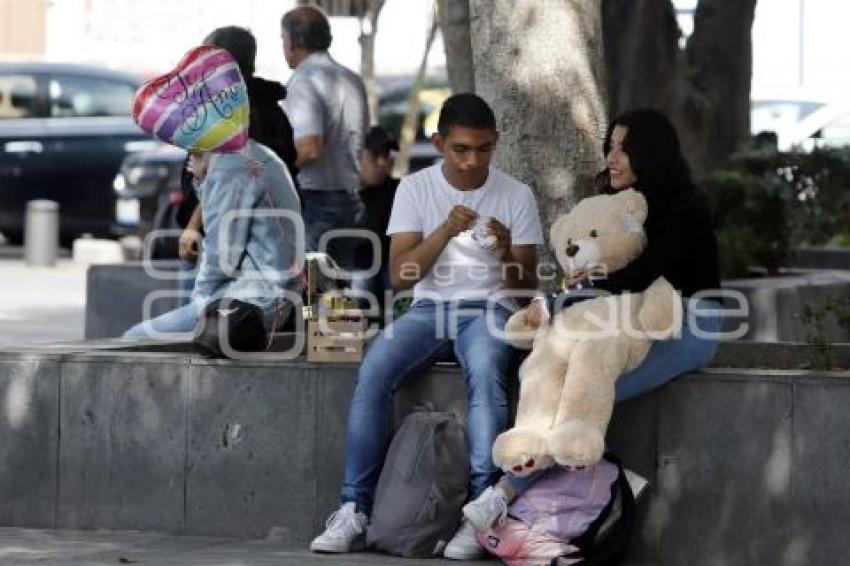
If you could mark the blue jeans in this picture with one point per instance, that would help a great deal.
(331, 210)
(414, 341)
(666, 360)
(181, 319)
(186, 282)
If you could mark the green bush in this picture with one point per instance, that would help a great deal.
(767, 201)
(750, 222)
(814, 185)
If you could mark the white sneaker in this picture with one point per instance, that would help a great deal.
(345, 531)
(486, 510)
(463, 545)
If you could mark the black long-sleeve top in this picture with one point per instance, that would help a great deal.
(681, 246)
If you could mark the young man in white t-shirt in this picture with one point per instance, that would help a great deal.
(462, 232)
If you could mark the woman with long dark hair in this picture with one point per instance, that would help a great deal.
(643, 152)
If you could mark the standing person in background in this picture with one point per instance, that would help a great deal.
(327, 106)
(269, 126)
(377, 190)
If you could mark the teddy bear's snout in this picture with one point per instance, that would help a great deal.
(572, 250)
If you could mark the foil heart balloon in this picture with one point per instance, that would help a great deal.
(200, 105)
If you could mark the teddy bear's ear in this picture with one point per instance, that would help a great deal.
(635, 204)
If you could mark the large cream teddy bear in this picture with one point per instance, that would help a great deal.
(567, 381)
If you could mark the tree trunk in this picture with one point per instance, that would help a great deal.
(540, 66)
(713, 107)
(454, 25)
(641, 54)
(705, 88)
(368, 29)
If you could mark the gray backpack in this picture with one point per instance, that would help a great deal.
(422, 487)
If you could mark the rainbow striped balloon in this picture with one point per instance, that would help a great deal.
(202, 104)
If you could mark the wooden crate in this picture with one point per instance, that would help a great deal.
(343, 341)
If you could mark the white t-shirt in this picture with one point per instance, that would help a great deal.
(422, 203)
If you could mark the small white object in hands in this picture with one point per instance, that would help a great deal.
(481, 233)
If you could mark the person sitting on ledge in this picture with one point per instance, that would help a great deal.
(454, 270)
(249, 206)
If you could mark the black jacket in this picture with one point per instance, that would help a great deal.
(681, 246)
(378, 206)
(269, 124)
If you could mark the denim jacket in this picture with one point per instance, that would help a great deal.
(251, 215)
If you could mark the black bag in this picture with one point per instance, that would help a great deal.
(422, 487)
(239, 322)
(607, 539)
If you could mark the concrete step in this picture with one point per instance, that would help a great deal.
(745, 466)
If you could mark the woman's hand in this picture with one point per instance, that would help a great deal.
(189, 245)
(574, 277)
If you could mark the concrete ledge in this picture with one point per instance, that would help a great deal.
(115, 295)
(775, 304)
(820, 258)
(746, 466)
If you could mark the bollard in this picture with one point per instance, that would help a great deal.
(41, 233)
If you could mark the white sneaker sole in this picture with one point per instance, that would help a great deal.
(328, 548)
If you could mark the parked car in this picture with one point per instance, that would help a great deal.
(146, 182)
(393, 105)
(64, 130)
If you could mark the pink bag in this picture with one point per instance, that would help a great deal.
(558, 508)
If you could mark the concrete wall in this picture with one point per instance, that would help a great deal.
(115, 295)
(820, 258)
(775, 304)
(746, 467)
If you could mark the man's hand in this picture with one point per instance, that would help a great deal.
(308, 149)
(189, 245)
(459, 220)
(536, 314)
(502, 249)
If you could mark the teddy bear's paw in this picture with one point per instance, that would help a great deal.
(521, 451)
(575, 443)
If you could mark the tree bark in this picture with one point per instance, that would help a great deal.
(705, 88)
(713, 98)
(540, 66)
(641, 54)
(454, 25)
(368, 30)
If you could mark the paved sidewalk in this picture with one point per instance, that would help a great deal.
(28, 547)
(41, 304)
